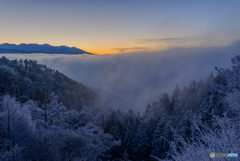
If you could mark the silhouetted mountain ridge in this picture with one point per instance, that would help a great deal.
(39, 48)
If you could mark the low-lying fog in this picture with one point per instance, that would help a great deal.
(132, 80)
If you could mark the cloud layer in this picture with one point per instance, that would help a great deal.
(132, 80)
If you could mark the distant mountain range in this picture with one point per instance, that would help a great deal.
(39, 48)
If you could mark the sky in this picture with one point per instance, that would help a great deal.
(120, 26)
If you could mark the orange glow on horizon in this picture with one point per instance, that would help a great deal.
(111, 48)
(125, 49)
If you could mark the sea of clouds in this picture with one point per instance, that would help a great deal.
(132, 80)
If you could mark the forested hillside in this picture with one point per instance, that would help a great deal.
(44, 115)
(28, 80)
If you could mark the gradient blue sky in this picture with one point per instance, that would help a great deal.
(117, 26)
